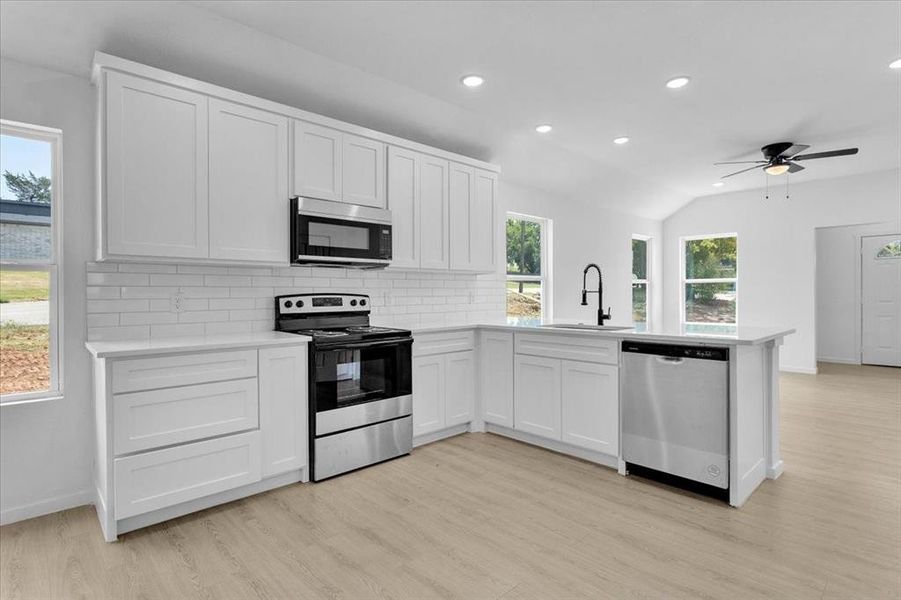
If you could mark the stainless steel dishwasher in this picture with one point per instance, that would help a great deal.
(676, 410)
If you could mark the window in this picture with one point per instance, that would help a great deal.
(29, 241)
(709, 283)
(640, 285)
(890, 250)
(527, 269)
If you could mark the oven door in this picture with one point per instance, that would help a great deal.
(360, 384)
(355, 238)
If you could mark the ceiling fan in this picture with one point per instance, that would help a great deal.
(782, 157)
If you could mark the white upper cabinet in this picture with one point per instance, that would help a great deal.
(317, 161)
(591, 406)
(332, 165)
(473, 208)
(248, 183)
(404, 201)
(433, 214)
(483, 221)
(155, 169)
(363, 171)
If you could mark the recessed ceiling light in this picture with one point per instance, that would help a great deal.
(677, 82)
(718, 184)
(472, 81)
(543, 128)
(895, 64)
(621, 140)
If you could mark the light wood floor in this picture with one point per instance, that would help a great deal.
(480, 516)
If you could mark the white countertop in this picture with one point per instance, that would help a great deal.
(743, 336)
(172, 345)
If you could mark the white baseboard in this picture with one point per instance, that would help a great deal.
(555, 445)
(802, 370)
(841, 361)
(428, 438)
(46, 506)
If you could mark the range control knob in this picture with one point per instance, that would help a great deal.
(353, 302)
(288, 304)
(362, 302)
(300, 303)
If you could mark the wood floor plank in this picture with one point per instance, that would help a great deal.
(481, 516)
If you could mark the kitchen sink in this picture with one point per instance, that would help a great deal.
(586, 327)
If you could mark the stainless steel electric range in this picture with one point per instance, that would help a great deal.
(361, 401)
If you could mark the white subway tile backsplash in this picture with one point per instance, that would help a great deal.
(132, 300)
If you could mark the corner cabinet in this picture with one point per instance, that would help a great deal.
(155, 169)
(473, 218)
(496, 377)
(444, 381)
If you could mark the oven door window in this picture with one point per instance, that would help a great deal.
(356, 375)
(321, 236)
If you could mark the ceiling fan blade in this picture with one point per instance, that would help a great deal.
(794, 149)
(742, 171)
(741, 162)
(827, 154)
(794, 167)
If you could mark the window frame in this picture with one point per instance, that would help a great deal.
(53, 264)
(544, 279)
(683, 323)
(648, 240)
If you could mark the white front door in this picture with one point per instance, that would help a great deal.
(881, 300)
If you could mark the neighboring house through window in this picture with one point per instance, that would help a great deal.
(29, 275)
(710, 283)
(527, 269)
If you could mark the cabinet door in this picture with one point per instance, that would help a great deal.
(156, 169)
(403, 201)
(591, 406)
(363, 171)
(460, 390)
(496, 365)
(433, 213)
(283, 409)
(248, 183)
(462, 184)
(317, 161)
(428, 394)
(483, 221)
(536, 406)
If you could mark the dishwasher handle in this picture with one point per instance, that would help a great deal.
(670, 360)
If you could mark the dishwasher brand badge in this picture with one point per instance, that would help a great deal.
(713, 470)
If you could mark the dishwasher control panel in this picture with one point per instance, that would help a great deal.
(702, 352)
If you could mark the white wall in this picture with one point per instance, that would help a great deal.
(45, 448)
(584, 232)
(777, 248)
(838, 290)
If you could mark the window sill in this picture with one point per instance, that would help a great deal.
(29, 398)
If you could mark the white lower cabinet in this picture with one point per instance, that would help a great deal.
(460, 387)
(283, 409)
(428, 394)
(590, 400)
(537, 401)
(496, 369)
(154, 480)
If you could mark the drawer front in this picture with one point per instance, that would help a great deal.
(145, 420)
(441, 343)
(154, 480)
(187, 369)
(568, 347)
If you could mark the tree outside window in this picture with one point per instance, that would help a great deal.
(710, 283)
(640, 282)
(526, 269)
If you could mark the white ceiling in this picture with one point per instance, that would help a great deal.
(809, 72)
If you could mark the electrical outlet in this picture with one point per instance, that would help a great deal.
(177, 302)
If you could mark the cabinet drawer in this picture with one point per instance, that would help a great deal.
(568, 347)
(144, 420)
(187, 369)
(443, 342)
(162, 478)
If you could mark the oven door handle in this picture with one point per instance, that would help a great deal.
(363, 345)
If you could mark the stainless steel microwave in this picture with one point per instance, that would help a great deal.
(337, 234)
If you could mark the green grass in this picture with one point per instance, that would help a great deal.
(24, 338)
(24, 286)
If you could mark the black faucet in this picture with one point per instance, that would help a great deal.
(601, 316)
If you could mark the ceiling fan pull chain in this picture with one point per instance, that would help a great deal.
(767, 177)
(786, 187)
